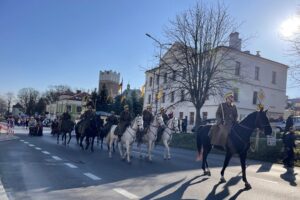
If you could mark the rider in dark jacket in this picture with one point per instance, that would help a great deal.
(125, 120)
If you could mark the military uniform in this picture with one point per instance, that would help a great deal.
(125, 120)
(226, 116)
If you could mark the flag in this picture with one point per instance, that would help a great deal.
(120, 86)
(143, 90)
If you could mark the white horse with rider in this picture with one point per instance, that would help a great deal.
(151, 135)
(171, 127)
(127, 138)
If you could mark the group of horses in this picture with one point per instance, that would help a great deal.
(238, 141)
(94, 127)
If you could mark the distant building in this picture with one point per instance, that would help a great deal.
(265, 76)
(111, 80)
(70, 102)
(18, 110)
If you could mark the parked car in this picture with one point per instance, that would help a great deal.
(281, 125)
(204, 123)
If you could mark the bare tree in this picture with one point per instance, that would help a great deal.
(3, 105)
(9, 98)
(54, 91)
(28, 98)
(199, 64)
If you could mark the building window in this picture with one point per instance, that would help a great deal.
(156, 97)
(149, 98)
(157, 79)
(182, 95)
(192, 116)
(274, 77)
(204, 115)
(172, 97)
(69, 108)
(256, 73)
(237, 68)
(151, 81)
(165, 78)
(174, 75)
(236, 94)
(180, 115)
(163, 99)
(78, 109)
(183, 73)
(254, 100)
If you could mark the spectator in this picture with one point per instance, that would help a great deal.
(184, 124)
(289, 145)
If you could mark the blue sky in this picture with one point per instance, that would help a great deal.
(51, 42)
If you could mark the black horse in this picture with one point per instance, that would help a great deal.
(238, 141)
(103, 133)
(65, 127)
(88, 128)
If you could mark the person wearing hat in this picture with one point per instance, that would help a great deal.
(147, 118)
(226, 116)
(125, 120)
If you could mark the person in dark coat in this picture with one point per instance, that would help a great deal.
(184, 124)
(147, 118)
(289, 143)
(125, 120)
(54, 127)
(226, 116)
(110, 120)
(289, 123)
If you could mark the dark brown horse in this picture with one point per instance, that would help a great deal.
(238, 141)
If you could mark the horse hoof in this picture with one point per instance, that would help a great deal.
(222, 180)
(248, 186)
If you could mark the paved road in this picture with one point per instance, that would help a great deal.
(37, 168)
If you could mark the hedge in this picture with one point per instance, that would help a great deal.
(263, 153)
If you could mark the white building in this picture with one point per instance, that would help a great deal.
(263, 76)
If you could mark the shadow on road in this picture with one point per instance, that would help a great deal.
(213, 195)
(289, 176)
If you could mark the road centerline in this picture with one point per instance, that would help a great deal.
(45, 152)
(92, 176)
(71, 165)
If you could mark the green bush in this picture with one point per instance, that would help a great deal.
(263, 151)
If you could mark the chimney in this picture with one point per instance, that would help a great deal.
(258, 53)
(234, 41)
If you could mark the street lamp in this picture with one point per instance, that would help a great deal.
(161, 46)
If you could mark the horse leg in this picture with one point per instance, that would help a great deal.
(121, 151)
(65, 138)
(92, 145)
(166, 149)
(227, 159)
(57, 137)
(81, 140)
(140, 150)
(87, 141)
(149, 150)
(70, 136)
(128, 152)
(204, 161)
(243, 165)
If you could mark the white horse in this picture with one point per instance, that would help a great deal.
(150, 137)
(127, 138)
(172, 126)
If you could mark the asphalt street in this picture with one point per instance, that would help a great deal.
(37, 168)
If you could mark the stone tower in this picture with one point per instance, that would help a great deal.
(111, 80)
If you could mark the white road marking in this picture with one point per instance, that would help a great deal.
(46, 152)
(3, 195)
(22, 140)
(31, 145)
(126, 193)
(71, 165)
(38, 148)
(92, 176)
(26, 142)
(56, 158)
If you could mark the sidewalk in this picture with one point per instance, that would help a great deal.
(5, 137)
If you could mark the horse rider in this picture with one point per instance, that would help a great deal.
(170, 115)
(125, 120)
(110, 120)
(289, 123)
(87, 115)
(54, 127)
(147, 118)
(161, 129)
(226, 116)
(164, 115)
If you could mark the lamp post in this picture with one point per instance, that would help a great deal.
(161, 46)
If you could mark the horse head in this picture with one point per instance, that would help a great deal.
(138, 123)
(173, 125)
(262, 122)
(159, 119)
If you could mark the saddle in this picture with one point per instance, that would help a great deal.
(219, 134)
